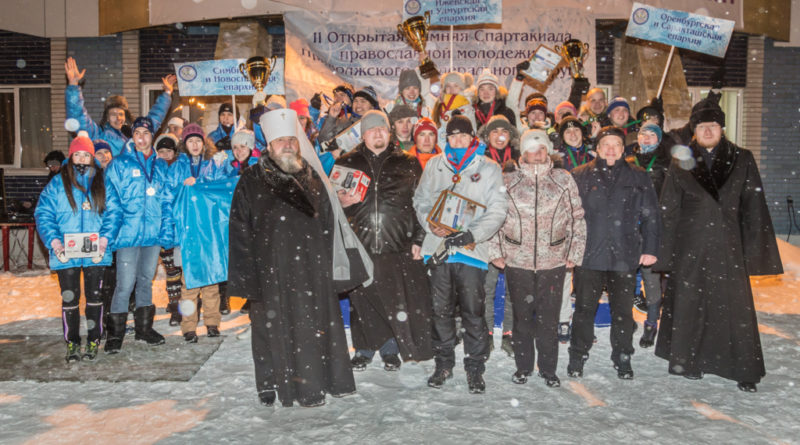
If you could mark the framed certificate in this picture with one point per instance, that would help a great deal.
(544, 65)
(454, 213)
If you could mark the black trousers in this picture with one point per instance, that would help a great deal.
(462, 284)
(70, 282)
(536, 298)
(588, 287)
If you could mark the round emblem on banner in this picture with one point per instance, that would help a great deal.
(413, 7)
(640, 16)
(187, 73)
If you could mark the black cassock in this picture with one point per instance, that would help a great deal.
(281, 241)
(717, 233)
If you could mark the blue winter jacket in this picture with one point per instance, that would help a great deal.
(232, 167)
(115, 138)
(133, 218)
(182, 168)
(220, 133)
(55, 218)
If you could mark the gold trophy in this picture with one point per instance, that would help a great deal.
(257, 70)
(574, 52)
(415, 30)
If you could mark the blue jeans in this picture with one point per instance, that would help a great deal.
(388, 348)
(135, 266)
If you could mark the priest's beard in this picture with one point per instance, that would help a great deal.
(287, 160)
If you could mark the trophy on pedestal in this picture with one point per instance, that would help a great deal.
(257, 70)
(574, 52)
(415, 30)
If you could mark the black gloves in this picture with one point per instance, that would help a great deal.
(581, 84)
(316, 101)
(717, 77)
(458, 239)
(522, 66)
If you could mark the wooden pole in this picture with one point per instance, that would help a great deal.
(666, 69)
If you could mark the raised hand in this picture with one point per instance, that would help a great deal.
(74, 75)
(168, 82)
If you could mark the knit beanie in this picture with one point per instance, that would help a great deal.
(301, 107)
(193, 130)
(422, 125)
(567, 105)
(570, 122)
(498, 121)
(535, 104)
(225, 107)
(143, 122)
(609, 131)
(401, 112)
(166, 141)
(456, 78)
(347, 89)
(618, 102)
(485, 77)
(459, 124)
(653, 128)
(409, 78)
(81, 143)
(244, 137)
(100, 144)
(373, 119)
(369, 94)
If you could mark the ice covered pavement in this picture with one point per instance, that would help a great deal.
(219, 405)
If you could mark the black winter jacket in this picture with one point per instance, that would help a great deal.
(622, 216)
(658, 170)
(385, 222)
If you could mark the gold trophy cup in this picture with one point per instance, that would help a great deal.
(415, 30)
(574, 52)
(257, 70)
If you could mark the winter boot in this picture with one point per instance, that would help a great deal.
(143, 322)
(519, 377)
(174, 314)
(436, 380)
(224, 303)
(552, 381)
(360, 362)
(116, 332)
(640, 303)
(91, 350)
(623, 367)
(475, 382)
(190, 337)
(267, 398)
(213, 331)
(747, 386)
(649, 335)
(391, 362)
(73, 352)
(576, 362)
(506, 346)
(564, 332)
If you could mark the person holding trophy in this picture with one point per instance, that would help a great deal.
(457, 251)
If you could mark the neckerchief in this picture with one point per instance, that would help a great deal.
(446, 107)
(469, 153)
(496, 156)
(483, 118)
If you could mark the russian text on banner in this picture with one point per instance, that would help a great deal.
(685, 30)
(456, 12)
(222, 78)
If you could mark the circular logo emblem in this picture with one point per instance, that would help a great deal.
(640, 16)
(71, 243)
(413, 7)
(187, 73)
(93, 237)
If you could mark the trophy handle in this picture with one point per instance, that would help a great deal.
(558, 49)
(272, 64)
(242, 68)
(428, 17)
(400, 30)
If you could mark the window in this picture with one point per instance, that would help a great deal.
(25, 133)
(731, 104)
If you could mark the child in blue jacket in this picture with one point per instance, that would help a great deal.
(74, 201)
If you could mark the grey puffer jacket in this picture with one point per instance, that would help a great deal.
(544, 227)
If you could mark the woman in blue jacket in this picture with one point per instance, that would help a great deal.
(138, 222)
(74, 201)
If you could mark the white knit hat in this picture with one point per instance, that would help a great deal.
(279, 123)
(533, 140)
(244, 137)
(486, 76)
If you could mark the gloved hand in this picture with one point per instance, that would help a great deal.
(717, 77)
(316, 101)
(102, 245)
(582, 84)
(440, 255)
(522, 66)
(58, 250)
(459, 239)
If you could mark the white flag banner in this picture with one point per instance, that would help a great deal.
(323, 51)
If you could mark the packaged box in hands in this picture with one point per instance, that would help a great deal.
(81, 245)
(346, 178)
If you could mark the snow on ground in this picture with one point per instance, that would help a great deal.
(219, 404)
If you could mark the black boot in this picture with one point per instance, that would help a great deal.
(439, 376)
(245, 307)
(575, 366)
(623, 367)
(475, 382)
(649, 335)
(116, 332)
(224, 301)
(143, 319)
(267, 398)
(174, 314)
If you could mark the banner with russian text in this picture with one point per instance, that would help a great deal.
(222, 78)
(456, 12)
(323, 51)
(685, 30)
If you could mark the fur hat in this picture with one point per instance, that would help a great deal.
(116, 102)
(708, 112)
(495, 122)
(401, 112)
(533, 140)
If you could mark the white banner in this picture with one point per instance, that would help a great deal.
(364, 49)
(456, 12)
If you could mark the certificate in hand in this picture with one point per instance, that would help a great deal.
(454, 212)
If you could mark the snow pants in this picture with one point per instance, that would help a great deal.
(70, 282)
(453, 283)
(536, 297)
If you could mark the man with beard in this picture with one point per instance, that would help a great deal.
(393, 314)
(290, 251)
(717, 233)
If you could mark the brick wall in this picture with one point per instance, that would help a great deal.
(24, 59)
(101, 57)
(780, 119)
(24, 187)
